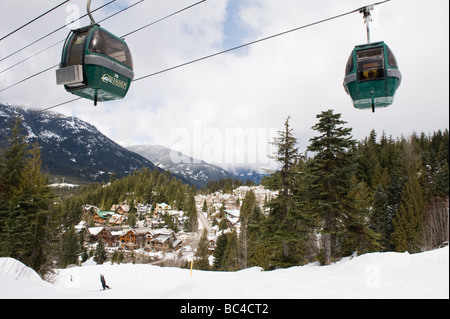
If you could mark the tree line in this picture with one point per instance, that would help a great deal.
(37, 225)
(343, 197)
(339, 197)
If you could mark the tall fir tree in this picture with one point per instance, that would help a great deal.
(70, 248)
(230, 258)
(331, 174)
(202, 253)
(100, 254)
(28, 227)
(359, 236)
(284, 231)
(219, 251)
(408, 219)
(246, 211)
(191, 224)
(380, 218)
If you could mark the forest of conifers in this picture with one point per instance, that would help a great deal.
(339, 197)
(344, 197)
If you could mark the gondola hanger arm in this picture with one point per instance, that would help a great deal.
(88, 9)
(367, 19)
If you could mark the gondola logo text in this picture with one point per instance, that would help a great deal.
(114, 81)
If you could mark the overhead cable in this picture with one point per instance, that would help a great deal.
(61, 41)
(238, 47)
(31, 21)
(48, 69)
(45, 36)
(254, 42)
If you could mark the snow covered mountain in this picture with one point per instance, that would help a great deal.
(71, 147)
(196, 172)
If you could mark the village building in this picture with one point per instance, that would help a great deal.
(161, 240)
(109, 235)
(101, 218)
(117, 219)
(134, 238)
(143, 209)
(233, 217)
(120, 209)
(217, 200)
(89, 209)
(160, 209)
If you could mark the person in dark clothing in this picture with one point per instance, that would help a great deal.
(104, 285)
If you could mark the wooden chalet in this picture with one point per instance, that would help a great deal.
(121, 209)
(134, 238)
(109, 235)
(101, 218)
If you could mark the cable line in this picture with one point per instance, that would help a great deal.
(40, 72)
(32, 56)
(30, 77)
(255, 42)
(170, 15)
(241, 46)
(31, 21)
(41, 38)
(63, 103)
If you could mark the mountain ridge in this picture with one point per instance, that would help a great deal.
(197, 172)
(70, 146)
(76, 150)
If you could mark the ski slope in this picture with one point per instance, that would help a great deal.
(375, 275)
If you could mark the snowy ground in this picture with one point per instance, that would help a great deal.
(377, 275)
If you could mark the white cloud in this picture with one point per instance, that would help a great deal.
(299, 74)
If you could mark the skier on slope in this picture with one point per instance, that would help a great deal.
(104, 285)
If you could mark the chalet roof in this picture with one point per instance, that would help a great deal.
(105, 215)
(161, 239)
(160, 231)
(177, 242)
(141, 231)
(94, 231)
(125, 208)
(163, 206)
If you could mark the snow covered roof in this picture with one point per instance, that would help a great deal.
(233, 212)
(161, 238)
(94, 231)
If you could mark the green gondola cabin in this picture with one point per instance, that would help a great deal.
(96, 65)
(372, 76)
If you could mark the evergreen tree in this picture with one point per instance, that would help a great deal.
(70, 248)
(286, 230)
(283, 180)
(408, 219)
(202, 253)
(331, 171)
(28, 227)
(84, 255)
(230, 259)
(380, 217)
(221, 244)
(358, 235)
(246, 211)
(100, 254)
(191, 224)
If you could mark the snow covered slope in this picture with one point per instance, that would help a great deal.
(376, 275)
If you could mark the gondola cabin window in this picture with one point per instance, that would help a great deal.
(371, 64)
(105, 44)
(77, 49)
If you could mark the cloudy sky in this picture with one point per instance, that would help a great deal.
(226, 109)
